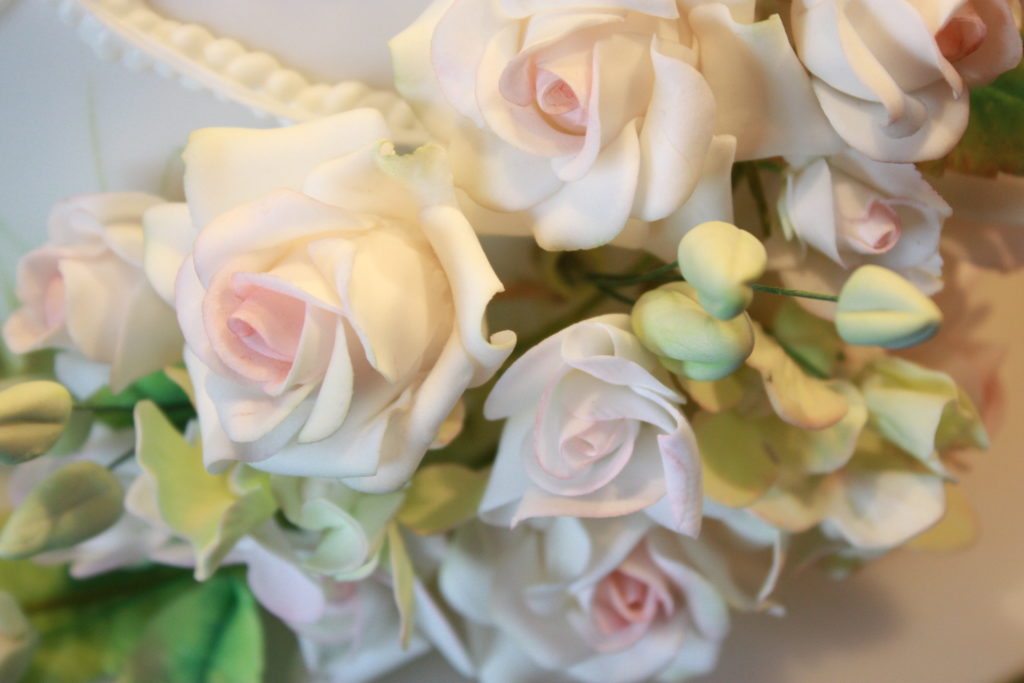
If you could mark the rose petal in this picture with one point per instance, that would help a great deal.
(593, 210)
(227, 167)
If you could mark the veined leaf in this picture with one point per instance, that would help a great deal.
(212, 511)
(441, 498)
(86, 629)
(994, 140)
(211, 634)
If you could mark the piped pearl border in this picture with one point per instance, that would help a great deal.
(132, 33)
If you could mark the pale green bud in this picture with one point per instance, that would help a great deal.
(75, 503)
(672, 324)
(33, 416)
(721, 261)
(877, 307)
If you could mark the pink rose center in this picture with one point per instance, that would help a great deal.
(255, 330)
(560, 104)
(877, 231)
(962, 35)
(593, 442)
(629, 600)
(269, 323)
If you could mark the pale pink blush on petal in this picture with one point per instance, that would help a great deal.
(962, 35)
(876, 232)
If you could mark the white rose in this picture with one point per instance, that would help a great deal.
(333, 304)
(593, 431)
(577, 116)
(607, 601)
(85, 291)
(854, 211)
(891, 76)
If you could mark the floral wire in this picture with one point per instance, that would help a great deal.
(606, 282)
(93, 408)
(622, 280)
(803, 294)
(121, 459)
(611, 293)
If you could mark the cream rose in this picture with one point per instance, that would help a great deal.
(85, 291)
(854, 211)
(607, 601)
(577, 116)
(891, 75)
(593, 430)
(333, 303)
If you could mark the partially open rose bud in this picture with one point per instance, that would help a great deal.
(891, 76)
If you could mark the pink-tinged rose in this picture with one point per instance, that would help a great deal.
(582, 119)
(333, 303)
(892, 75)
(85, 292)
(593, 430)
(607, 601)
(851, 211)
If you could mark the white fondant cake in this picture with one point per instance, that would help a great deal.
(72, 123)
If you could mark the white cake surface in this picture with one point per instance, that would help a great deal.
(72, 123)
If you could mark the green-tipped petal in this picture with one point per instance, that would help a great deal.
(921, 410)
(75, 503)
(33, 416)
(721, 261)
(877, 307)
(672, 324)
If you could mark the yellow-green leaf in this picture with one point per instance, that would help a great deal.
(738, 469)
(958, 528)
(17, 639)
(403, 578)
(441, 498)
(799, 399)
(212, 511)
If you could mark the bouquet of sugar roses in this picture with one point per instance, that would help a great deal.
(707, 230)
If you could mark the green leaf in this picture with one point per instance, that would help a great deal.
(212, 511)
(87, 628)
(441, 498)
(33, 416)
(17, 639)
(810, 340)
(75, 503)
(208, 635)
(115, 409)
(993, 141)
(403, 577)
(738, 469)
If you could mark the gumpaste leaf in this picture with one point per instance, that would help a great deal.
(441, 498)
(993, 140)
(212, 511)
(209, 634)
(737, 467)
(85, 629)
(958, 528)
(403, 580)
